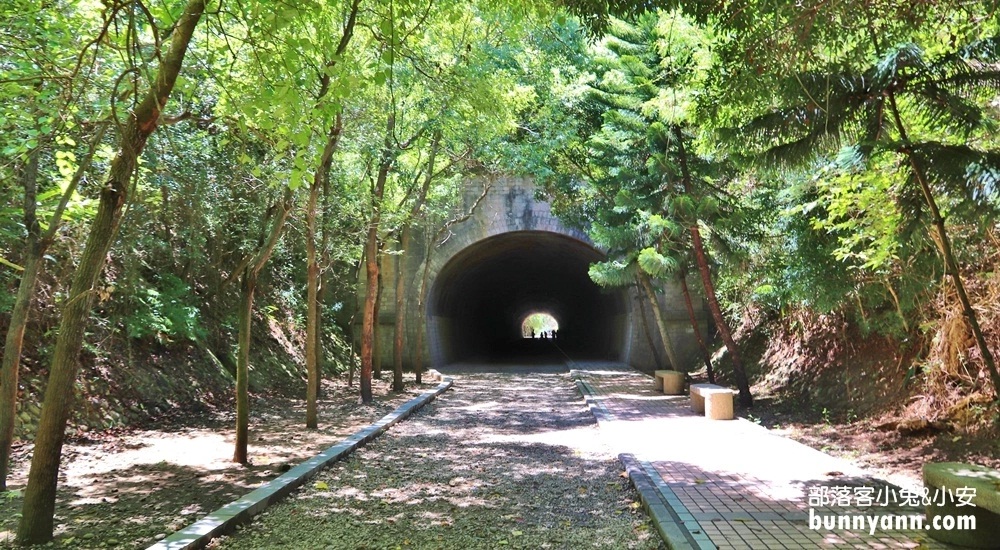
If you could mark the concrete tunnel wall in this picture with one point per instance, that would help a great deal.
(510, 258)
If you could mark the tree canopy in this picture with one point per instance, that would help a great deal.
(187, 173)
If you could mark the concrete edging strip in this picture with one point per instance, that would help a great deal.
(226, 519)
(664, 510)
(597, 408)
(674, 531)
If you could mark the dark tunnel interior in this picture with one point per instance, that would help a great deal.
(482, 295)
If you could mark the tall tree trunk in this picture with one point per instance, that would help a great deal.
(661, 323)
(944, 246)
(248, 283)
(742, 382)
(418, 352)
(377, 329)
(312, 310)
(404, 247)
(39, 498)
(19, 315)
(315, 289)
(657, 359)
(35, 247)
(400, 329)
(705, 356)
(369, 311)
(313, 336)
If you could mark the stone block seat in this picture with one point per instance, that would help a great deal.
(670, 382)
(949, 477)
(715, 402)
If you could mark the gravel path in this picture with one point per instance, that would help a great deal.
(504, 460)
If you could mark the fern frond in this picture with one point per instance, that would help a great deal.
(657, 265)
(827, 111)
(969, 175)
(612, 273)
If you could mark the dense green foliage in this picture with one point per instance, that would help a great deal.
(810, 156)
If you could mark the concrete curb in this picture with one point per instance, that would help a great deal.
(676, 526)
(594, 403)
(226, 519)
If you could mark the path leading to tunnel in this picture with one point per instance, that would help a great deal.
(732, 484)
(509, 459)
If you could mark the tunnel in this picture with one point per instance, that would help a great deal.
(482, 295)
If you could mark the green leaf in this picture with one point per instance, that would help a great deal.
(656, 264)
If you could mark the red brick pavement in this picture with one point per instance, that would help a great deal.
(734, 483)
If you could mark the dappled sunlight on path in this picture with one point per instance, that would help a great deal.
(507, 458)
(733, 484)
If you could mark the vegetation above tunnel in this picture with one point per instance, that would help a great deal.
(234, 165)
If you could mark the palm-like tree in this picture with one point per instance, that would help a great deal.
(643, 147)
(889, 107)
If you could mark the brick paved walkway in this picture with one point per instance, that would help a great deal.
(733, 484)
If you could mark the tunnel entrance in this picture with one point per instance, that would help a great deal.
(481, 297)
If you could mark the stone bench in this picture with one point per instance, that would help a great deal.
(670, 382)
(951, 476)
(715, 402)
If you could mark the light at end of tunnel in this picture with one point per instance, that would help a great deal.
(539, 324)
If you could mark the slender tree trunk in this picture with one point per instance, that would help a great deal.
(944, 246)
(645, 326)
(742, 382)
(316, 290)
(248, 283)
(705, 356)
(377, 332)
(661, 323)
(312, 310)
(746, 399)
(399, 333)
(19, 315)
(35, 248)
(404, 247)
(368, 315)
(369, 318)
(39, 498)
(313, 336)
(418, 353)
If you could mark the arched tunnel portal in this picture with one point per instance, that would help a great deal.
(482, 295)
(505, 257)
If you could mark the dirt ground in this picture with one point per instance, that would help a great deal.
(510, 458)
(879, 443)
(127, 488)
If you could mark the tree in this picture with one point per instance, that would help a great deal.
(39, 499)
(372, 251)
(636, 158)
(405, 241)
(897, 106)
(626, 268)
(38, 95)
(35, 246)
(320, 179)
